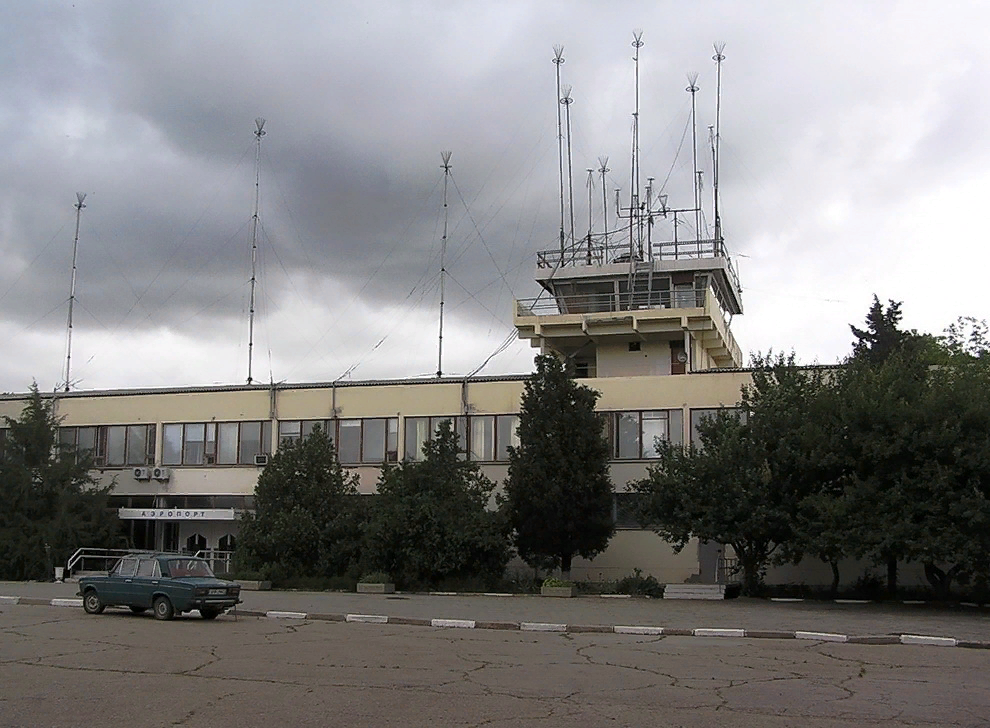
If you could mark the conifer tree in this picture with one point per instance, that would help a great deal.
(558, 493)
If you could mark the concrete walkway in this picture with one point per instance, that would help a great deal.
(872, 622)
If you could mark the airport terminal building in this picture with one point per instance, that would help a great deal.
(650, 332)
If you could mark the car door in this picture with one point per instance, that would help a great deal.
(118, 586)
(145, 583)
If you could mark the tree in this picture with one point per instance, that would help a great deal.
(51, 504)
(882, 386)
(431, 520)
(304, 522)
(558, 495)
(745, 483)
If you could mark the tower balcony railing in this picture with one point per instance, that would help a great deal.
(610, 302)
(597, 254)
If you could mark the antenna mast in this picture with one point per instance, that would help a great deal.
(443, 254)
(80, 196)
(637, 43)
(693, 89)
(259, 132)
(718, 58)
(566, 100)
(603, 170)
(591, 190)
(558, 59)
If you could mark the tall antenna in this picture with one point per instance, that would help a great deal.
(259, 132)
(591, 190)
(566, 101)
(718, 58)
(637, 43)
(692, 88)
(558, 59)
(603, 170)
(80, 196)
(443, 254)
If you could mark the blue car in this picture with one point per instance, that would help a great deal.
(169, 584)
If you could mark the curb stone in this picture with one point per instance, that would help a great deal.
(638, 630)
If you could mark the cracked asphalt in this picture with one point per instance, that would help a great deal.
(61, 667)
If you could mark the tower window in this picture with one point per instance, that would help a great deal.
(634, 346)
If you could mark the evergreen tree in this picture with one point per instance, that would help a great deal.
(558, 495)
(51, 504)
(306, 520)
(431, 522)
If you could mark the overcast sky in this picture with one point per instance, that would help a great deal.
(855, 160)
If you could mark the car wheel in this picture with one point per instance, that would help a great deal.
(92, 603)
(139, 610)
(163, 608)
(209, 612)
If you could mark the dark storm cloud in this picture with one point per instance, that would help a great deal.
(828, 110)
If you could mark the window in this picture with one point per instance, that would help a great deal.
(626, 509)
(112, 446)
(634, 435)
(3, 440)
(483, 438)
(357, 440)
(699, 415)
(213, 443)
(149, 568)
(126, 567)
(421, 429)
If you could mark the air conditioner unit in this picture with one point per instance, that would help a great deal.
(161, 474)
(142, 473)
(261, 459)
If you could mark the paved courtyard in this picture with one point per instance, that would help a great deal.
(61, 667)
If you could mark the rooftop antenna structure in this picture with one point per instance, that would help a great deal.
(591, 190)
(692, 88)
(718, 58)
(443, 254)
(604, 170)
(566, 100)
(80, 196)
(637, 43)
(558, 60)
(634, 209)
(258, 133)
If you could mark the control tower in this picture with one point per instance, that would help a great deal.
(618, 303)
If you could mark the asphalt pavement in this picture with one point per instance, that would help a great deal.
(878, 622)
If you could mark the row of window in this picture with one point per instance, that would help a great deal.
(632, 435)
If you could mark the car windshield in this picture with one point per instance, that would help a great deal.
(188, 567)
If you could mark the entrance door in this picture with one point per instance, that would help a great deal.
(170, 537)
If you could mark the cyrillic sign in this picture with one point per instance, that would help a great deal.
(177, 514)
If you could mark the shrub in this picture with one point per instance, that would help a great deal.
(640, 585)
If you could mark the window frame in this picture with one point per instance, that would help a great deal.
(672, 416)
(213, 444)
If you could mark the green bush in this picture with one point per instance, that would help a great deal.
(639, 585)
(375, 577)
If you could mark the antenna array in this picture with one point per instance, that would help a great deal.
(259, 132)
(80, 196)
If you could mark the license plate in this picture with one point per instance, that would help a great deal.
(218, 592)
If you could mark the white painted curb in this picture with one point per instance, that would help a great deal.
(821, 636)
(285, 615)
(542, 627)
(455, 623)
(917, 639)
(637, 630)
(851, 601)
(786, 599)
(367, 618)
(9, 600)
(66, 602)
(719, 632)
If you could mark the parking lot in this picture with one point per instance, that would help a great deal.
(60, 667)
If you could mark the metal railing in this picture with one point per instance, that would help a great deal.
(221, 562)
(93, 559)
(610, 302)
(726, 570)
